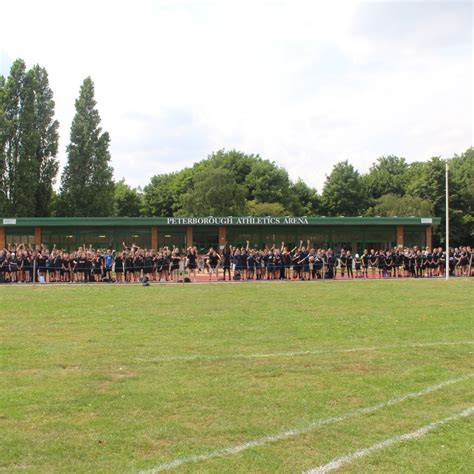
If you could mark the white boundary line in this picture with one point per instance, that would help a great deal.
(303, 430)
(204, 357)
(349, 458)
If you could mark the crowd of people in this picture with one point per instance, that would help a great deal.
(22, 264)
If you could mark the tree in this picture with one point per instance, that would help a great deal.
(3, 140)
(344, 193)
(19, 142)
(28, 142)
(387, 176)
(401, 206)
(87, 187)
(215, 192)
(127, 201)
(162, 197)
(462, 171)
(266, 182)
(46, 141)
(237, 162)
(429, 184)
(304, 201)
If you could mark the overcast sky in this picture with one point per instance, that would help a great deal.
(304, 84)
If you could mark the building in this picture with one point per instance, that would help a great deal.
(355, 233)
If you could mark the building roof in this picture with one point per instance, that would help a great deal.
(211, 220)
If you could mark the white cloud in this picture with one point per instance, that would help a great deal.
(305, 84)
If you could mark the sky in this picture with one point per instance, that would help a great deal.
(303, 83)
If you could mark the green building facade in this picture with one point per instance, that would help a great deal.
(355, 233)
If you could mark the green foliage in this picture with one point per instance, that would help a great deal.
(344, 192)
(303, 200)
(215, 192)
(387, 176)
(266, 182)
(87, 187)
(28, 142)
(262, 209)
(462, 171)
(162, 196)
(430, 184)
(127, 201)
(401, 206)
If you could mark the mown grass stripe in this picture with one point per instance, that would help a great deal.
(303, 430)
(349, 458)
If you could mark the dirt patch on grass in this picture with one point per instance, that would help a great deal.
(115, 376)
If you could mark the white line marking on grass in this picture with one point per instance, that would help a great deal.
(303, 430)
(204, 357)
(349, 458)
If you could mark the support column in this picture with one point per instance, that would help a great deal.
(3, 238)
(154, 237)
(37, 235)
(222, 236)
(429, 236)
(400, 231)
(189, 235)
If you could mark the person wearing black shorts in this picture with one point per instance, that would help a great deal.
(213, 259)
(191, 262)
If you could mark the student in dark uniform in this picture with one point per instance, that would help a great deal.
(343, 263)
(174, 265)
(57, 265)
(251, 265)
(258, 265)
(191, 262)
(388, 264)
(13, 267)
(226, 260)
(419, 264)
(43, 266)
(349, 264)
(147, 266)
(160, 265)
(381, 263)
(129, 268)
(213, 259)
(237, 264)
(97, 268)
(365, 263)
(66, 268)
(118, 267)
(358, 265)
(138, 266)
(373, 262)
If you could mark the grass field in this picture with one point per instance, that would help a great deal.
(131, 378)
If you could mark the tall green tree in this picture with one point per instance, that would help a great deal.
(344, 192)
(3, 139)
(215, 192)
(28, 142)
(46, 141)
(387, 176)
(18, 109)
(87, 187)
(127, 201)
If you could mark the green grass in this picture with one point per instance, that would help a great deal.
(90, 381)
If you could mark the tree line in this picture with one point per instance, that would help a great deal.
(224, 183)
